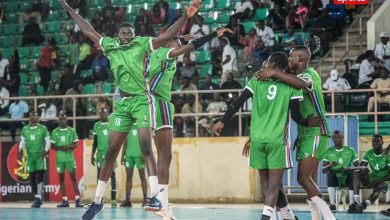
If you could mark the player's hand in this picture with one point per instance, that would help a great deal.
(344, 169)
(314, 121)
(245, 149)
(264, 74)
(333, 164)
(193, 8)
(93, 161)
(64, 4)
(222, 31)
(218, 127)
(188, 37)
(43, 154)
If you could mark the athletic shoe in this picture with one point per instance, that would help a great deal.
(37, 203)
(386, 212)
(332, 208)
(127, 204)
(153, 204)
(364, 205)
(79, 204)
(64, 204)
(114, 203)
(93, 210)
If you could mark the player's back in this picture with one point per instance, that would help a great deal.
(313, 105)
(270, 110)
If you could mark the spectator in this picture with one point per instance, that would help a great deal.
(277, 16)
(158, 14)
(100, 67)
(314, 7)
(73, 50)
(313, 42)
(259, 54)
(238, 31)
(243, 9)
(141, 18)
(367, 69)
(249, 42)
(336, 12)
(188, 70)
(144, 30)
(288, 38)
(228, 62)
(66, 79)
(109, 21)
(32, 33)
(186, 85)
(97, 21)
(17, 110)
(208, 85)
(265, 33)
(216, 106)
(382, 50)
(79, 6)
(335, 82)
(4, 98)
(39, 11)
(382, 96)
(81, 107)
(199, 30)
(107, 10)
(101, 102)
(324, 27)
(3, 65)
(85, 57)
(53, 91)
(231, 83)
(48, 112)
(189, 107)
(297, 18)
(46, 62)
(11, 73)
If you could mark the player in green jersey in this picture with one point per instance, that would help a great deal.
(312, 142)
(269, 149)
(64, 139)
(128, 62)
(35, 139)
(100, 146)
(132, 157)
(337, 164)
(379, 162)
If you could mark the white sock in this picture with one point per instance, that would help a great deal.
(268, 211)
(163, 195)
(273, 216)
(324, 209)
(65, 198)
(388, 195)
(287, 213)
(351, 197)
(356, 198)
(368, 202)
(76, 197)
(39, 188)
(153, 183)
(280, 216)
(38, 196)
(315, 213)
(332, 195)
(101, 187)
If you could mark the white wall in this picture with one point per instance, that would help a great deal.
(378, 23)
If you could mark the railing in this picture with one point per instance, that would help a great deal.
(198, 114)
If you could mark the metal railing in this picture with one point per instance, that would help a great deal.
(198, 114)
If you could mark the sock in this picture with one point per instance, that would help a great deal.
(388, 195)
(356, 198)
(163, 195)
(76, 197)
(280, 216)
(145, 195)
(153, 182)
(273, 216)
(324, 209)
(39, 188)
(368, 202)
(101, 187)
(332, 195)
(351, 197)
(113, 194)
(38, 196)
(315, 213)
(65, 198)
(268, 211)
(128, 197)
(287, 213)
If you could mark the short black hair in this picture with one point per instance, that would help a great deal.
(278, 60)
(377, 136)
(337, 132)
(369, 53)
(125, 24)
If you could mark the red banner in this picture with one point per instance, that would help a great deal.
(350, 2)
(14, 178)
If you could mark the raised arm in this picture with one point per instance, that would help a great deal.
(172, 31)
(84, 26)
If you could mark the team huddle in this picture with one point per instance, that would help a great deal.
(144, 68)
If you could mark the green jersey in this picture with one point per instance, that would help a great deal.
(270, 110)
(344, 157)
(161, 72)
(378, 164)
(100, 129)
(129, 63)
(63, 137)
(34, 138)
(133, 149)
(313, 105)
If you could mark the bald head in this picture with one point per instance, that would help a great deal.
(302, 51)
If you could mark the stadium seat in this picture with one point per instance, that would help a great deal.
(34, 77)
(261, 14)
(223, 4)
(7, 52)
(11, 6)
(8, 41)
(85, 73)
(25, 5)
(35, 52)
(96, 3)
(54, 27)
(24, 52)
(89, 88)
(24, 64)
(206, 5)
(40, 90)
(23, 78)
(205, 69)
(107, 87)
(223, 18)
(23, 90)
(203, 57)
(9, 29)
(54, 74)
(55, 4)
(209, 17)
(248, 25)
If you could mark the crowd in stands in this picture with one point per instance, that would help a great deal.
(83, 68)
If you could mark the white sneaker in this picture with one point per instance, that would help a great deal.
(166, 214)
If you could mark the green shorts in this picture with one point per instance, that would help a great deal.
(165, 111)
(131, 162)
(65, 165)
(35, 162)
(269, 156)
(139, 109)
(312, 146)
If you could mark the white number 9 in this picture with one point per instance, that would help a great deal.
(272, 92)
